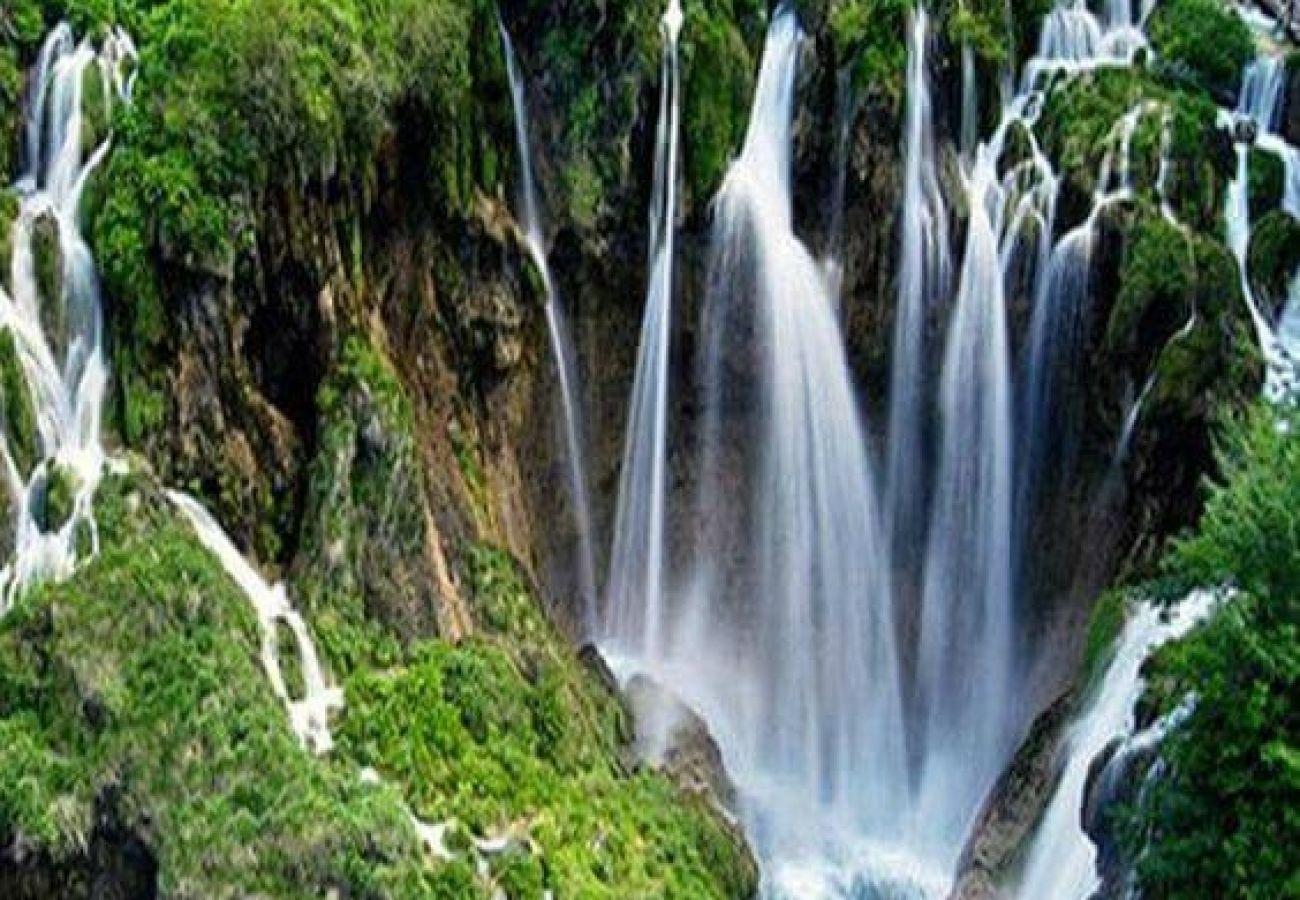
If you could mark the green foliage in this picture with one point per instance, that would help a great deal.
(363, 540)
(240, 100)
(21, 28)
(1203, 39)
(718, 74)
(47, 260)
(513, 733)
(1265, 182)
(1108, 617)
(982, 25)
(1274, 255)
(872, 35)
(16, 403)
(1079, 124)
(60, 492)
(1225, 819)
(141, 677)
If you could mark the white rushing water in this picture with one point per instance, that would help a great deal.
(59, 343)
(1259, 107)
(561, 342)
(965, 660)
(792, 660)
(826, 721)
(58, 340)
(923, 280)
(1062, 858)
(634, 595)
(309, 713)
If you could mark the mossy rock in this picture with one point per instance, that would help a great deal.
(152, 693)
(16, 403)
(1079, 123)
(56, 507)
(47, 258)
(9, 205)
(1266, 182)
(363, 571)
(1104, 628)
(1200, 368)
(1274, 257)
(1157, 288)
(871, 37)
(1016, 148)
(1204, 41)
(518, 735)
(96, 109)
(718, 69)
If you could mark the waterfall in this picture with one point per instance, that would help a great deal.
(635, 608)
(308, 714)
(57, 340)
(67, 394)
(1261, 102)
(561, 340)
(922, 279)
(965, 655)
(828, 718)
(1062, 858)
(789, 649)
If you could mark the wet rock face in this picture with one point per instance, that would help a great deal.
(1290, 125)
(115, 864)
(1013, 807)
(671, 736)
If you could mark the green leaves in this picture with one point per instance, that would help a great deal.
(1225, 819)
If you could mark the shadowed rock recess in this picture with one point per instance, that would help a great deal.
(321, 320)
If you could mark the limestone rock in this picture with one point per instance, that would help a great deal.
(672, 736)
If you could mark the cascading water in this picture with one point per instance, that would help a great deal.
(308, 714)
(800, 678)
(827, 719)
(1260, 104)
(56, 329)
(965, 665)
(1062, 858)
(634, 594)
(922, 280)
(561, 341)
(67, 394)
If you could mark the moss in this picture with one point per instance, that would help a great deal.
(1203, 40)
(362, 572)
(1265, 184)
(21, 28)
(140, 677)
(61, 488)
(19, 415)
(8, 213)
(1104, 628)
(1017, 148)
(982, 26)
(239, 98)
(1274, 256)
(47, 260)
(1157, 287)
(516, 733)
(871, 35)
(1207, 366)
(718, 72)
(1079, 122)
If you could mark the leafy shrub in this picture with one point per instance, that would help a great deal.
(1224, 820)
(1204, 39)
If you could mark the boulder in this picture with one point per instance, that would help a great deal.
(673, 737)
